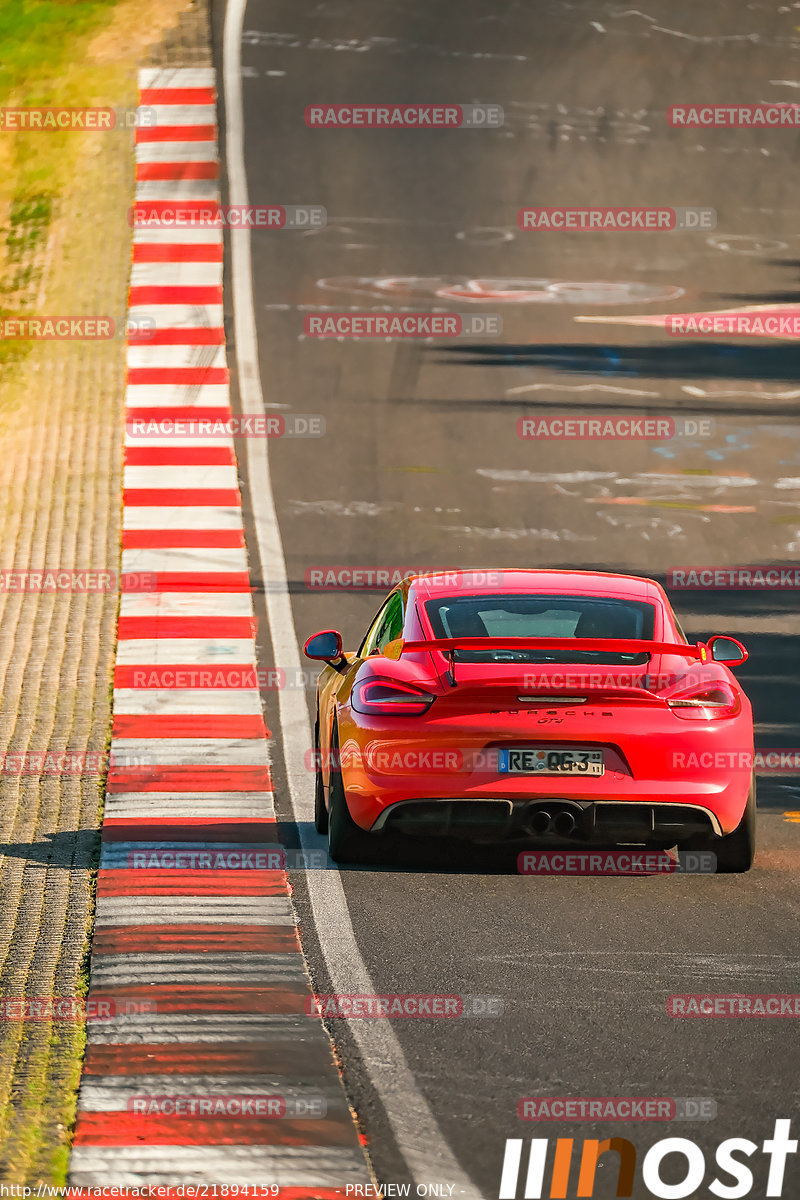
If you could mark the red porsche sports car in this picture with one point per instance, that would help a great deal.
(558, 708)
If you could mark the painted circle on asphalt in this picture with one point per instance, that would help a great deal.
(503, 290)
(745, 243)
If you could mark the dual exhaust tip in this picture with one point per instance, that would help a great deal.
(562, 824)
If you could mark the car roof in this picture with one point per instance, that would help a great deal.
(501, 581)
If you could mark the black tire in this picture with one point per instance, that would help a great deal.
(347, 842)
(735, 852)
(320, 811)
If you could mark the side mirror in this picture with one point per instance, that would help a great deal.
(727, 650)
(325, 646)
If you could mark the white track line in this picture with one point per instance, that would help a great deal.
(416, 1131)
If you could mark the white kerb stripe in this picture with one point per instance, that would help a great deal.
(182, 114)
(177, 395)
(171, 1166)
(186, 235)
(179, 151)
(177, 190)
(111, 970)
(176, 316)
(208, 517)
(112, 1093)
(144, 355)
(169, 476)
(182, 701)
(176, 274)
(186, 604)
(128, 753)
(188, 651)
(142, 433)
(178, 1027)
(194, 910)
(151, 78)
(156, 806)
(183, 559)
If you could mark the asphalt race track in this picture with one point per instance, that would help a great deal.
(421, 467)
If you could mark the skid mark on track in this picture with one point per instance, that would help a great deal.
(511, 535)
(503, 290)
(334, 508)
(648, 501)
(583, 387)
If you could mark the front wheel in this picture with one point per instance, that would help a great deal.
(347, 842)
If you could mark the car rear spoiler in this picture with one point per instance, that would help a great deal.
(449, 646)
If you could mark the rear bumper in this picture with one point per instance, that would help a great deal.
(653, 761)
(706, 770)
(555, 822)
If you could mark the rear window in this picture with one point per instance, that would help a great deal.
(545, 617)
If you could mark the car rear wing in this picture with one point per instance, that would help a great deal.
(449, 646)
(601, 645)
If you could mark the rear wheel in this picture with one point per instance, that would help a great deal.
(320, 811)
(735, 852)
(347, 842)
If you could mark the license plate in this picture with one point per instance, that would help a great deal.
(550, 760)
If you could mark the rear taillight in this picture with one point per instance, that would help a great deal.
(706, 702)
(390, 698)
